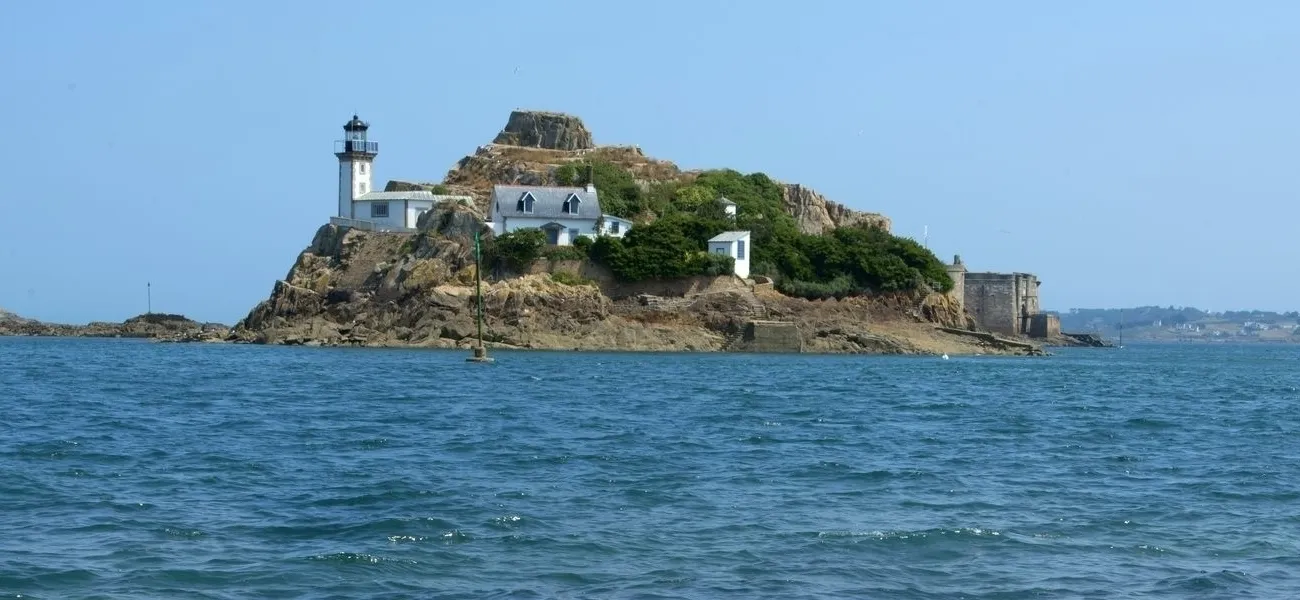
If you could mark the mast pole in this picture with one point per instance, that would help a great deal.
(478, 286)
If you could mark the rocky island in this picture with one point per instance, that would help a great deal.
(825, 279)
(156, 326)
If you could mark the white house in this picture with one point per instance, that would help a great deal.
(563, 213)
(728, 207)
(398, 210)
(736, 245)
(359, 204)
(615, 226)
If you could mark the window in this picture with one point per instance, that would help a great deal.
(525, 203)
(573, 235)
(719, 250)
(613, 226)
(379, 210)
(740, 249)
(571, 204)
(363, 187)
(363, 168)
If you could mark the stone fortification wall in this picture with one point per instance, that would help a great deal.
(1001, 302)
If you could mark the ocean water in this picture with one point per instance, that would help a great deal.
(138, 470)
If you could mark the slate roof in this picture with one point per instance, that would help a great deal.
(424, 195)
(725, 202)
(548, 202)
(730, 236)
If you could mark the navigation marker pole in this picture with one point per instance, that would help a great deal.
(480, 353)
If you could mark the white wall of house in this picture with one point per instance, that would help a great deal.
(402, 214)
(615, 226)
(413, 210)
(740, 250)
(572, 227)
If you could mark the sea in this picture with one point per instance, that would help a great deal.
(131, 469)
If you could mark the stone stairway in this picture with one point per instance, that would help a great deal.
(731, 340)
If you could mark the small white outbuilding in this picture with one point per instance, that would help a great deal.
(736, 245)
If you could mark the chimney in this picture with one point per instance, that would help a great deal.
(591, 179)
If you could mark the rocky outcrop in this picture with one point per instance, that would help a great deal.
(547, 130)
(817, 215)
(157, 326)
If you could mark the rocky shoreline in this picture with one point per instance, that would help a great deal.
(152, 326)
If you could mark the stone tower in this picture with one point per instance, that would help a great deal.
(356, 156)
(957, 271)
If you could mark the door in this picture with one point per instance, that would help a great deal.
(552, 236)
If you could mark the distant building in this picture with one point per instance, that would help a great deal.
(563, 213)
(736, 245)
(1005, 303)
(728, 207)
(359, 204)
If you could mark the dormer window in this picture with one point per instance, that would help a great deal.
(571, 205)
(526, 203)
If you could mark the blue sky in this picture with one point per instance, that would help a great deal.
(1127, 152)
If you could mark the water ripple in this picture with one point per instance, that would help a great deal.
(133, 469)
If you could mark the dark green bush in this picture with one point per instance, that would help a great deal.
(850, 260)
(568, 278)
(564, 253)
(838, 287)
(515, 251)
(716, 264)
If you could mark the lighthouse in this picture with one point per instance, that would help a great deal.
(356, 156)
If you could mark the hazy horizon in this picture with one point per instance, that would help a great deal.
(1127, 154)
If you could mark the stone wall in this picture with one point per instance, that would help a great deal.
(702, 284)
(1001, 302)
(1045, 325)
(770, 336)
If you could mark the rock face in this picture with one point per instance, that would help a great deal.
(548, 130)
(817, 215)
(357, 288)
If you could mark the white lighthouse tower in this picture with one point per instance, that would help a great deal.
(356, 159)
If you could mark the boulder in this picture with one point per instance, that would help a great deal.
(548, 130)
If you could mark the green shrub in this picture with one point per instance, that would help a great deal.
(616, 186)
(583, 244)
(567, 278)
(515, 251)
(716, 264)
(565, 253)
(838, 287)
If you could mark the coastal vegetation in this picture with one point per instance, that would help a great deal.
(676, 218)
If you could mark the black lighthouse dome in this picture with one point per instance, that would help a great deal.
(356, 124)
